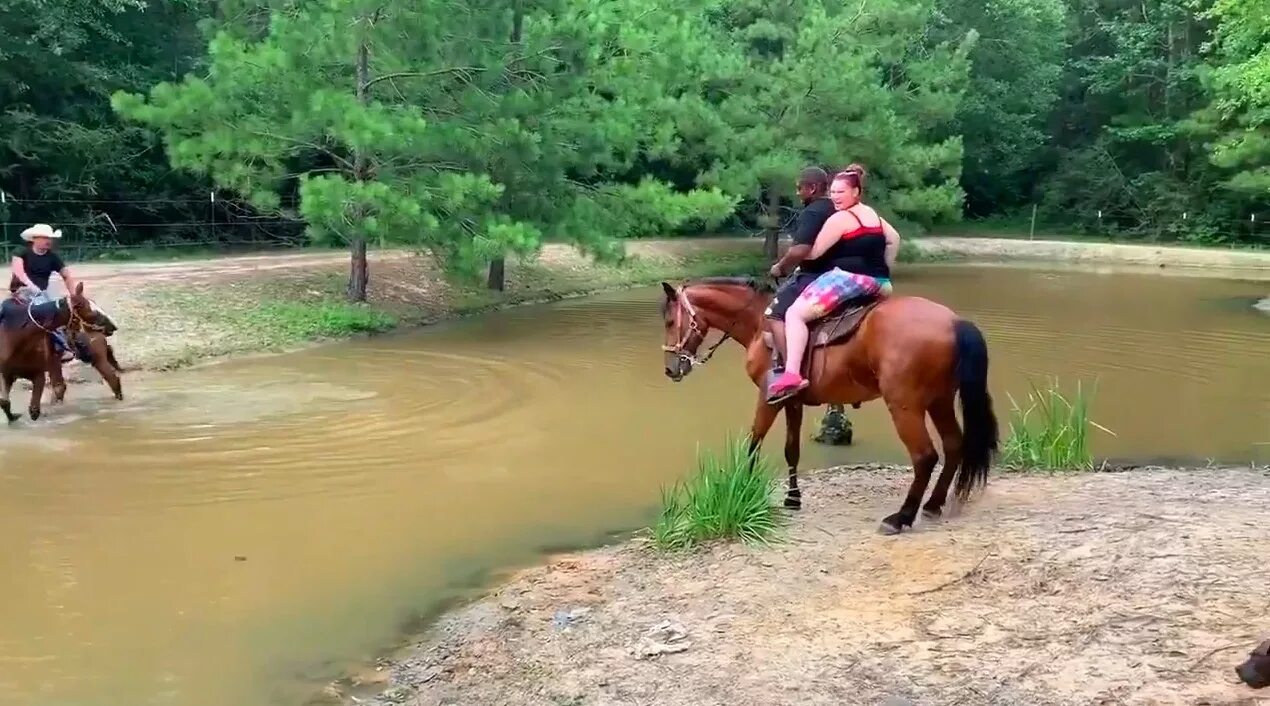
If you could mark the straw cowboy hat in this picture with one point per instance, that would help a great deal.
(40, 230)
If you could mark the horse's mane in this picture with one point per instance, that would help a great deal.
(761, 286)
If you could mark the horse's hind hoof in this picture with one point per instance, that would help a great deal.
(932, 515)
(793, 503)
(35, 415)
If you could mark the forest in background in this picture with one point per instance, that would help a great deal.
(477, 131)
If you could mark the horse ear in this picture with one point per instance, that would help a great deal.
(79, 289)
(671, 293)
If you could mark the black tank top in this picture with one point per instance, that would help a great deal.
(861, 251)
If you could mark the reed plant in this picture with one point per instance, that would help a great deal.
(1050, 430)
(729, 497)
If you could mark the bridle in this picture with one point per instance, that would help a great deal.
(683, 306)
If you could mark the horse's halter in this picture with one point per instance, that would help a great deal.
(692, 335)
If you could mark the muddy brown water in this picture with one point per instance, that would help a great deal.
(237, 533)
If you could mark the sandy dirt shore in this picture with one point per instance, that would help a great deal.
(1134, 588)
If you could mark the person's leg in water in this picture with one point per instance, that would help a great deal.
(817, 300)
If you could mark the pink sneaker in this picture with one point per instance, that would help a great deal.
(786, 385)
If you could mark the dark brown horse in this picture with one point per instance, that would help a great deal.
(25, 350)
(915, 354)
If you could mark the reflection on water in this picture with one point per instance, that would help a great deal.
(226, 534)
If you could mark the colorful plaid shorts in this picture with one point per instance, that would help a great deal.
(837, 286)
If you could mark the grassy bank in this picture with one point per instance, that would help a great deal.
(256, 310)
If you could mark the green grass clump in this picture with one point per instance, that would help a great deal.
(730, 496)
(306, 321)
(1052, 431)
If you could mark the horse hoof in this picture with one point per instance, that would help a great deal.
(35, 415)
(932, 515)
(888, 529)
(793, 503)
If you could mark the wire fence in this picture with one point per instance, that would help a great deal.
(96, 228)
(127, 229)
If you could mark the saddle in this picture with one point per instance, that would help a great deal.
(835, 328)
(838, 326)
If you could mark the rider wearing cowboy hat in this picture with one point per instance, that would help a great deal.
(34, 264)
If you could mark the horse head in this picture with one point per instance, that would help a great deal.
(80, 312)
(685, 332)
(732, 305)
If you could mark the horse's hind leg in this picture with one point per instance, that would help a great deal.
(37, 396)
(944, 415)
(6, 386)
(910, 424)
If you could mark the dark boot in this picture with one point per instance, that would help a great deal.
(63, 350)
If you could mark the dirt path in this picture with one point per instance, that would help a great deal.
(1136, 588)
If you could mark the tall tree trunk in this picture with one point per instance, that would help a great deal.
(359, 269)
(497, 280)
(771, 239)
(497, 274)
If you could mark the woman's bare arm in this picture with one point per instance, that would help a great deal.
(829, 234)
(892, 243)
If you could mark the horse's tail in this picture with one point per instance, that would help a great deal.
(980, 436)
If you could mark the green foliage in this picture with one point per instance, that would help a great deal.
(1016, 64)
(477, 131)
(469, 131)
(308, 321)
(1241, 95)
(1050, 431)
(728, 497)
(770, 89)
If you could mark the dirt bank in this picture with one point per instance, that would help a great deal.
(1251, 263)
(1143, 587)
(179, 313)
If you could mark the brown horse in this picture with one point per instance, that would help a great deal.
(25, 350)
(915, 354)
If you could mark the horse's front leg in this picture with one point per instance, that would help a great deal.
(56, 378)
(764, 416)
(37, 396)
(793, 450)
(6, 385)
(98, 347)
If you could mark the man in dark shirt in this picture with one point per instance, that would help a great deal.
(34, 264)
(813, 189)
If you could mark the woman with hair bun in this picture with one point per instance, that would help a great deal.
(860, 247)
